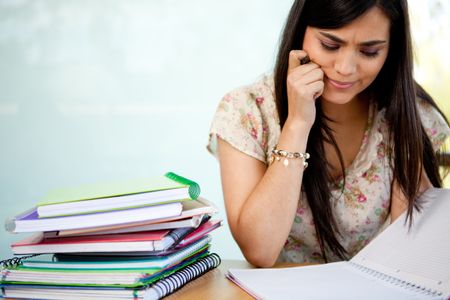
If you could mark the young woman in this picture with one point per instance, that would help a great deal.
(342, 102)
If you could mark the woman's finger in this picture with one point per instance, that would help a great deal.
(307, 74)
(316, 89)
(294, 58)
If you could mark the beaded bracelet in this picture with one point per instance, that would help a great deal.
(278, 154)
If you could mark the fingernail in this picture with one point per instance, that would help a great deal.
(305, 60)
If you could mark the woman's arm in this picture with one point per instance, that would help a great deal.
(261, 201)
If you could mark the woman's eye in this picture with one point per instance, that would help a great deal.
(329, 47)
(370, 53)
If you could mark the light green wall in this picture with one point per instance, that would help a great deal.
(108, 90)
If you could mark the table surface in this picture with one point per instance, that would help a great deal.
(214, 284)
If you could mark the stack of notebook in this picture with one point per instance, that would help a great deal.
(133, 240)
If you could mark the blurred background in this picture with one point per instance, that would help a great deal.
(107, 90)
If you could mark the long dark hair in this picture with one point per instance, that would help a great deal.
(393, 89)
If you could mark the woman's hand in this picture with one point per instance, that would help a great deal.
(304, 86)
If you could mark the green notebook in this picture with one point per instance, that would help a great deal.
(126, 272)
(117, 195)
(155, 286)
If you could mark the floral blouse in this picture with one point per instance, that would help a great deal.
(248, 120)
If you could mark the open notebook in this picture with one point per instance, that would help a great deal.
(398, 264)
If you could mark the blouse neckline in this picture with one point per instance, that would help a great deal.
(361, 163)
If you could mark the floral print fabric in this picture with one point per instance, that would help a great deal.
(248, 120)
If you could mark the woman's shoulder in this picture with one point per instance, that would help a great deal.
(433, 122)
(428, 112)
(260, 90)
(247, 118)
(255, 101)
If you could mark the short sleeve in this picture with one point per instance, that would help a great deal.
(434, 123)
(244, 119)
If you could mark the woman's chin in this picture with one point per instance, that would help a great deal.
(337, 99)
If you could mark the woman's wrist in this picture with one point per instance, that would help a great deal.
(294, 136)
(298, 125)
(286, 156)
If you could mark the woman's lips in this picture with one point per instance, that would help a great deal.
(340, 84)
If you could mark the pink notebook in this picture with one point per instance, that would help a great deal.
(200, 232)
(139, 241)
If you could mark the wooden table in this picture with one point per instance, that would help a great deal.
(214, 284)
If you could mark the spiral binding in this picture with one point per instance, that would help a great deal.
(15, 261)
(420, 290)
(194, 188)
(177, 280)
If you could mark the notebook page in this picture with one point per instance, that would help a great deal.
(330, 281)
(420, 255)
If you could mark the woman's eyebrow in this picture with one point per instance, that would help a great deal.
(341, 41)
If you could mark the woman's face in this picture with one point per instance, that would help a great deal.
(352, 56)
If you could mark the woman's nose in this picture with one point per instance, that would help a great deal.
(345, 64)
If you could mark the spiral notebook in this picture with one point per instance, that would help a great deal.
(101, 197)
(106, 273)
(400, 263)
(170, 284)
(157, 290)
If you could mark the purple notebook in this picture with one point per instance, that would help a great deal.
(30, 222)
